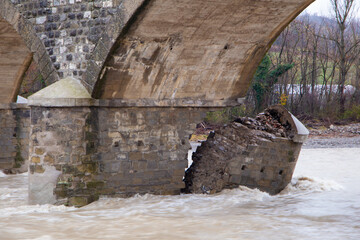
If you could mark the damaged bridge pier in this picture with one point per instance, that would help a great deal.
(257, 153)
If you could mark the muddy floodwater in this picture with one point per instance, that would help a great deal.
(322, 202)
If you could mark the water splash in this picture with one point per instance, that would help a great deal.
(301, 184)
(2, 174)
(28, 209)
(45, 237)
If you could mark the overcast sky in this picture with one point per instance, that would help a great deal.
(322, 8)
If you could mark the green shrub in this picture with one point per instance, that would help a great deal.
(225, 115)
(353, 113)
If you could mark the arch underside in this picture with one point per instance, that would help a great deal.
(14, 60)
(20, 46)
(207, 50)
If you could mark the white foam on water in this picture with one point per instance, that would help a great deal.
(180, 205)
(310, 184)
(45, 237)
(199, 203)
(28, 209)
(7, 193)
(24, 174)
(2, 174)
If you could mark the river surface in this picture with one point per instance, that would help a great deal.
(323, 202)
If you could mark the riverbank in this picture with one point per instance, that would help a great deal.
(334, 142)
(333, 136)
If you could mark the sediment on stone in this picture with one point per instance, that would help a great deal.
(254, 152)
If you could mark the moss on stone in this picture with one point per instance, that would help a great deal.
(78, 201)
(87, 167)
(95, 184)
(19, 160)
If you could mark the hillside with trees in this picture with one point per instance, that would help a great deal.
(313, 68)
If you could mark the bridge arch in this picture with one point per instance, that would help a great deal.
(19, 45)
(124, 13)
(186, 49)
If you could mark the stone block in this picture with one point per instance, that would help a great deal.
(112, 167)
(152, 164)
(48, 159)
(135, 156)
(78, 201)
(151, 156)
(39, 169)
(96, 184)
(35, 159)
(39, 151)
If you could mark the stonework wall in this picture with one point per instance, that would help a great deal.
(58, 144)
(69, 29)
(84, 152)
(268, 166)
(14, 137)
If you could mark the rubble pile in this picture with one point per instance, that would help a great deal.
(268, 121)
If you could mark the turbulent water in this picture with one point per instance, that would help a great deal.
(322, 202)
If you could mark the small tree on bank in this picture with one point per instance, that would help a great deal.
(264, 81)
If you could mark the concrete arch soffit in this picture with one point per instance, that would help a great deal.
(257, 53)
(123, 17)
(24, 28)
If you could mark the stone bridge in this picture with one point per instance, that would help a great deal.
(127, 80)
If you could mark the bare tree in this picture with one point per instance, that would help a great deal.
(328, 66)
(286, 51)
(356, 80)
(348, 49)
(324, 52)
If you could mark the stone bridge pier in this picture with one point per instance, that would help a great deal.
(126, 82)
(82, 149)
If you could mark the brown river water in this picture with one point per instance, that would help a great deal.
(322, 202)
